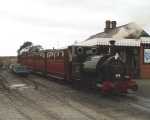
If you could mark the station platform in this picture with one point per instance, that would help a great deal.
(144, 87)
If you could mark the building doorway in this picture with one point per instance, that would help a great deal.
(131, 57)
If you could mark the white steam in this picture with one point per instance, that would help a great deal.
(131, 30)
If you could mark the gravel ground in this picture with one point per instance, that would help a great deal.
(37, 98)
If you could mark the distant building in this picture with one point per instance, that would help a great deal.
(132, 42)
(8, 60)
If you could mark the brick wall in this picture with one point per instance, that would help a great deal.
(8, 60)
(144, 67)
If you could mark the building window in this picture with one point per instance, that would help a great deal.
(147, 55)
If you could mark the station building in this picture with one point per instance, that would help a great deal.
(132, 42)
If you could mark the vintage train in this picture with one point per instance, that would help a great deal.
(88, 66)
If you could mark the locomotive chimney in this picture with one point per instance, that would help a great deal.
(112, 47)
(112, 42)
(107, 25)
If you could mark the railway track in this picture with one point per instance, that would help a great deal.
(15, 95)
(3, 83)
(18, 100)
(130, 100)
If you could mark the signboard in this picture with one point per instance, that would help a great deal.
(146, 55)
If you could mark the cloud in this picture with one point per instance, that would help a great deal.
(61, 22)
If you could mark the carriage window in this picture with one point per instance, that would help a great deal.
(62, 53)
(50, 54)
(41, 55)
(147, 55)
(58, 53)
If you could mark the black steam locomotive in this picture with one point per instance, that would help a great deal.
(106, 71)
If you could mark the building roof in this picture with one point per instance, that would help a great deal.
(119, 42)
(126, 35)
(130, 30)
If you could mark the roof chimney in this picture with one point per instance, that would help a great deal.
(113, 23)
(108, 25)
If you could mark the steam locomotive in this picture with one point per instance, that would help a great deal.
(86, 66)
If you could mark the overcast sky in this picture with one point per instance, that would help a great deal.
(57, 23)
